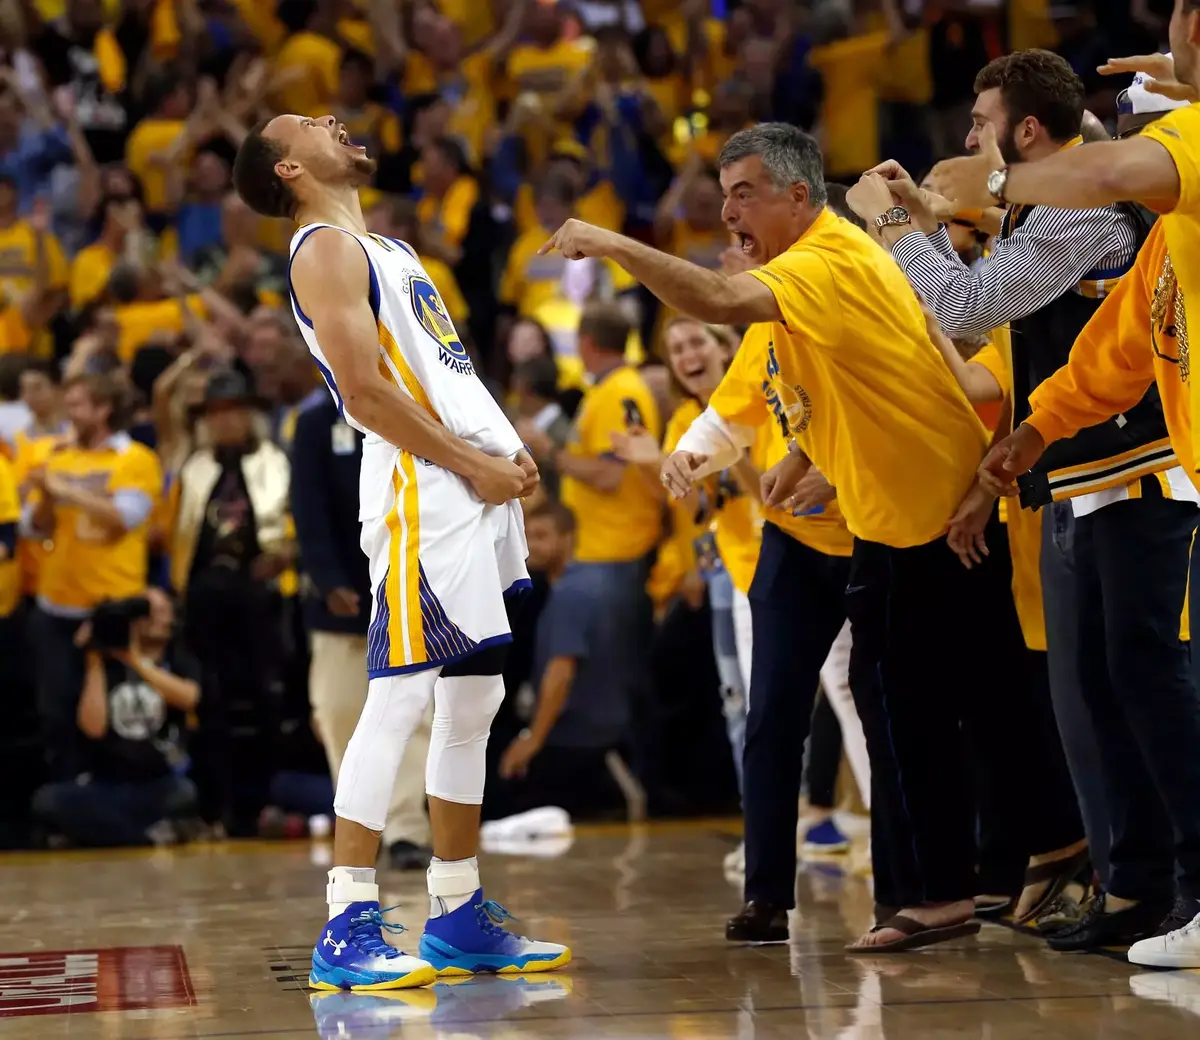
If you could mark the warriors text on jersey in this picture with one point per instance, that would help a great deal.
(441, 559)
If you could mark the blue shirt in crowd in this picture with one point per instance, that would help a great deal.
(576, 623)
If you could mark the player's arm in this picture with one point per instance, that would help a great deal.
(330, 277)
(688, 288)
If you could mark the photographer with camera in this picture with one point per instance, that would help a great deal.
(137, 690)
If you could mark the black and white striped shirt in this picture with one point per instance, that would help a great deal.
(1051, 253)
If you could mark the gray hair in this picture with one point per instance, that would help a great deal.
(788, 155)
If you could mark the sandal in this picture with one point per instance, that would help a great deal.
(1059, 873)
(915, 935)
(993, 908)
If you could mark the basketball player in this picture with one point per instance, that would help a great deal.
(442, 470)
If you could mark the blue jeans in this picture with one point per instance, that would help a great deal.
(733, 697)
(101, 814)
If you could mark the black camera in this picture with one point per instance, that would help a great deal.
(112, 621)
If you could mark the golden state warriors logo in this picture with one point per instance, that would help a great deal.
(431, 313)
(790, 405)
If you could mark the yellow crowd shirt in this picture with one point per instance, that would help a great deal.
(599, 205)
(742, 386)
(851, 375)
(89, 273)
(677, 553)
(18, 265)
(31, 453)
(451, 214)
(307, 67)
(1023, 525)
(626, 524)
(137, 322)
(148, 138)
(850, 111)
(86, 565)
(10, 516)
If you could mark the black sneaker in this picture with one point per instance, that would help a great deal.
(758, 923)
(1123, 928)
(406, 855)
(1183, 912)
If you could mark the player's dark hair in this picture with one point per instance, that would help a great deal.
(1040, 84)
(255, 179)
(606, 325)
(836, 201)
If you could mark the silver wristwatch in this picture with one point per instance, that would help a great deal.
(897, 216)
(997, 182)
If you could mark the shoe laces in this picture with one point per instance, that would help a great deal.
(1182, 914)
(367, 928)
(1182, 928)
(491, 916)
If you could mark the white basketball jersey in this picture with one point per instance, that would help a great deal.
(441, 560)
(420, 351)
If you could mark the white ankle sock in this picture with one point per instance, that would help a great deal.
(451, 883)
(350, 885)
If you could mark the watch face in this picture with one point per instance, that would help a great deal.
(898, 215)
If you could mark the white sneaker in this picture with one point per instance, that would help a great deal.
(1177, 949)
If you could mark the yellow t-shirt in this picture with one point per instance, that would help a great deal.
(30, 453)
(375, 126)
(825, 531)
(546, 70)
(10, 513)
(1177, 133)
(451, 214)
(18, 262)
(600, 205)
(310, 63)
(89, 273)
(85, 565)
(626, 524)
(137, 322)
(850, 109)
(852, 376)
(529, 280)
(473, 18)
(676, 556)
(148, 137)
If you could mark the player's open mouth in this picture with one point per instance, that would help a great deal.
(345, 142)
(746, 242)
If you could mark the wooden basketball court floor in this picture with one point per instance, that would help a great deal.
(213, 942)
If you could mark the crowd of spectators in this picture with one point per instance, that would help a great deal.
(163, 428)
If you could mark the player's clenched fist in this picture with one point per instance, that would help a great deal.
(497, 480)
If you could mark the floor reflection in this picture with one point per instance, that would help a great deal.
(448, 1008)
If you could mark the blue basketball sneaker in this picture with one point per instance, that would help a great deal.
(470, 941)
(351, 954)
(825, 839)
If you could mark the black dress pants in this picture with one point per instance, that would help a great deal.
(797, 609)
